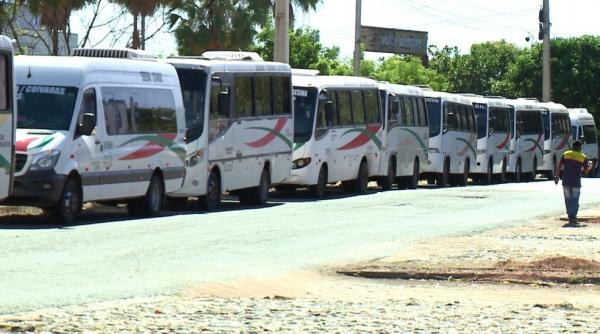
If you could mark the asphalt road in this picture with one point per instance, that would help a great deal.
(108, 256)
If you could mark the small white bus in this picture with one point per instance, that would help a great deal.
(97, 129)
(557, 136)
(337, 132)
(7, 117)
(452, 139)
(406, 136)
(493, 139)
(238, 112)
(527, 134)
(583, 128)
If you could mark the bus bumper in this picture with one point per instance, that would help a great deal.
(300, 176)
(41, 189)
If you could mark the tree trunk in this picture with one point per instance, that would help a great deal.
(54, 36)
(143, 32)
(135, 39)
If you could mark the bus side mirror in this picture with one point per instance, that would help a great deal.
(224, 104)
(329, 113)
(87, 124)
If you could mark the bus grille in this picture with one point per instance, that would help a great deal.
(20, 161)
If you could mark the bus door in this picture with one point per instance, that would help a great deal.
(6, 123)
(220, 133)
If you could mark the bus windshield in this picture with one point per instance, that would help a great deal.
(193, 90)
(45, 107)
(434, 112)
(546, 120)
(304, 113)
(589, 132)
(481, 119)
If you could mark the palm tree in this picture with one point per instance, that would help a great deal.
(222, 24)
(140, 9)
(54, 16)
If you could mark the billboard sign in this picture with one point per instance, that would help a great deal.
(394, 40)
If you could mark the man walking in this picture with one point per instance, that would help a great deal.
(575, 163)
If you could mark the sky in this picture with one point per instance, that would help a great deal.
(449, 22)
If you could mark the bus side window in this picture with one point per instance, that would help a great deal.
(321, 118)
(4, 83)
(408, 112)
(220, 109)
(281, 95)
(331, 116)
(393, 110)
(448, 117)
(345, 108)
(372, 107)
(358, 107)
(262, 94)
(243, 96)
(422, 111)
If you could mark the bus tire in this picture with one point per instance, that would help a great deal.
(463, 179)
(153, 201)
(318, 190)
(487, 178)
(257, 195)
(387, 182)
(69, 205)
(533, 171)
(360, 184)
(413, 180)
(212, 199)
(518, 172)
(443, 179)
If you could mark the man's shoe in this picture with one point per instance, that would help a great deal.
(573, 224)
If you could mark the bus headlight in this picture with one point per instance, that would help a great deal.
(300, 163)
(44, 160)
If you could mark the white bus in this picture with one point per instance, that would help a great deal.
(493, 139)
(452, 139)
(557, 136)
(337, 132)
(526, 144)
(583, 128)
(406, 136)
(239, 126)
(7, 117)
(97, 129)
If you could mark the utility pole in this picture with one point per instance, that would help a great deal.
(357, 39)
(545, 36)
(282, 38)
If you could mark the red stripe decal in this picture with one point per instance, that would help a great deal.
(149, 149)
(22, 145)
(361, 139)
(266, 139)
(505, 141)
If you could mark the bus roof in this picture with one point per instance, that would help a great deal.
(322, 81)
(220, 65)
(580, 115)
(80, 71)
(554, 107)
(447, 96)
(5, 43)
(401, 89)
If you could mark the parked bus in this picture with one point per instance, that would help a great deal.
(7, 117)
(493, 137)
(583, 128)
(452, 139)
(239, 123)
(557, 136)
(337, 132)
(406, 136)
(97, 129)
(526, 144)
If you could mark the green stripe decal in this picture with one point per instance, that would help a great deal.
(469, 146)
(5, 164)
(43, 143)
(298, 145)
(365, 132)
(424, 147)
(536, 144)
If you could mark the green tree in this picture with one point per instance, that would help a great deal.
(223, 24)
(409, 70)
(140, 10)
